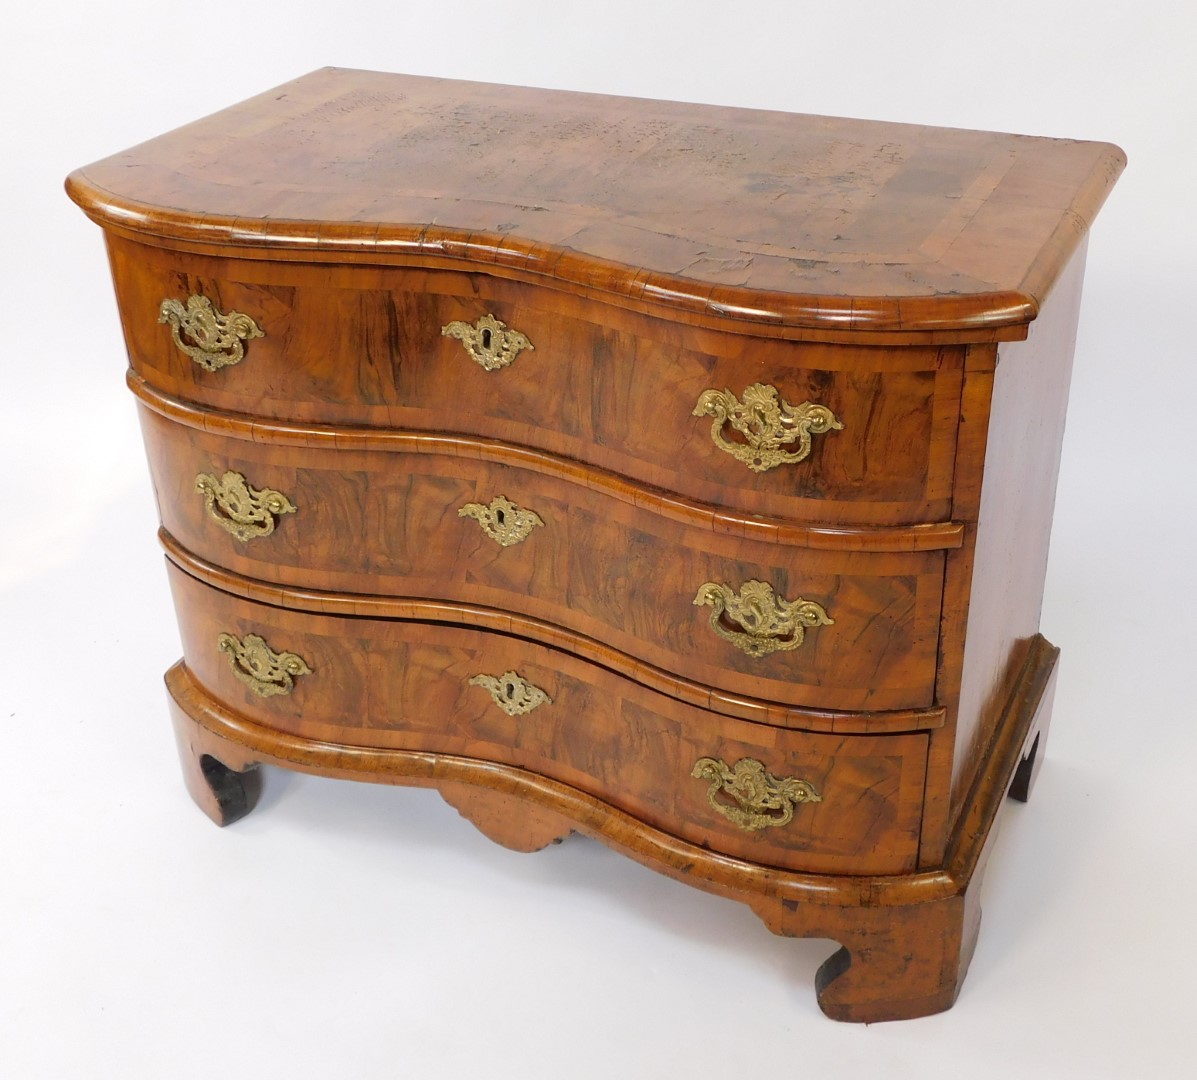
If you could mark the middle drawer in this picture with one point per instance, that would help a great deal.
(815, 628)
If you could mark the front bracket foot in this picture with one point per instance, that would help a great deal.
(894, 963)
(220, 777)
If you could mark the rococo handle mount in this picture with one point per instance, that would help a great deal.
(768, 425)
(212, 339)
(244, 511)
(266, 672)
(759, 799)
(767, 623)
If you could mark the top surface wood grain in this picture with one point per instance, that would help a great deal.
(751, 215)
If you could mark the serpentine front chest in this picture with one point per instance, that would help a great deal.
(673, 474)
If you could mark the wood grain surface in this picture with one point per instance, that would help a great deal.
(906, 939)
(702, 695)
(923, 536)
(1014, 508)
(608, 388)
(405, 685)
(753, 216)
(388, 524)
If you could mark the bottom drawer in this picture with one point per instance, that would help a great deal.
(779, 797)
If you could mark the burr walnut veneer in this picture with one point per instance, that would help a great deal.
(673, 474)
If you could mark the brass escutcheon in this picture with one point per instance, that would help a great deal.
(512, 693)
(489, 341)
(760, 800)
(503, 521)
(239, 508)
(769, 624)
(767, 423)
(263, 670)
(215, 340)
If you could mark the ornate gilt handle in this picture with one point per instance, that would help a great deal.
(768, 623)
(512, 693)
(213, 340)
(503, 521)
(239, 508)
(767, 424)
(759, 800)
(263, 670)
(489, 341)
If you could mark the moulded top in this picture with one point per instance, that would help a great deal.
(742, 214)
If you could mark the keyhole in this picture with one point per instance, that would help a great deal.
(509, 690)
(486, 339)
(500, 517)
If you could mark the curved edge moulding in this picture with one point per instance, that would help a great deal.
(451, 688)
(938, 909)
(640, 250)
(931, 536)
(385, 607)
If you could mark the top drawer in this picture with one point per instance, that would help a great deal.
(800, 431)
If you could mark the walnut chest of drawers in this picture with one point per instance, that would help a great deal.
(677, 475)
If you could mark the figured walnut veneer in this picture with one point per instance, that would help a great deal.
(677, 475)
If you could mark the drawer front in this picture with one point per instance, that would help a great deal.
(805, 432)
(854, 630)
(843, 804)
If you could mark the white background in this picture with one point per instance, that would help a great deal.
(349, 930)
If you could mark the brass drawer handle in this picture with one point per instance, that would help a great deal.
(512, 693)
(761, 800)
(768, 623)
(503, 521)
(239, 508)
(489, 341)
(215, 339)
(263, 670)
(767, 424)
